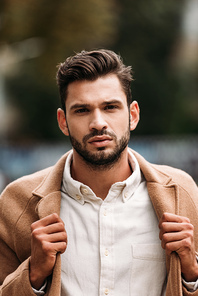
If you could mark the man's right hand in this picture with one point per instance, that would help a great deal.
(48, 238)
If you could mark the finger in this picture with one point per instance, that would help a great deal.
(168, 227)
(50, 219)
(49, 237)
(177, 236)
(181, 246)
(169, 217)
(54, 248)
(56, 237)
(173, 226)
(171, 247)
(53, 228)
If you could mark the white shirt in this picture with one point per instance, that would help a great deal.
(113, 245)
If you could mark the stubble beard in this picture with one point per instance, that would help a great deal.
(101, 159)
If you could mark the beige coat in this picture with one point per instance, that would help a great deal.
(35, 196)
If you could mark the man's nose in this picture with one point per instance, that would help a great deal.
(97, 121)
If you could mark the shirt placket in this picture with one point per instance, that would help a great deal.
(107, 272)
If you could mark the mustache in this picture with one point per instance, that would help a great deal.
(97, 133)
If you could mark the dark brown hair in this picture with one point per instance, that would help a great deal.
(90, 65)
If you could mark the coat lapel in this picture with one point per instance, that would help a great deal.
(162, 190)
(165, 199)
(49, 204)
(49, 192)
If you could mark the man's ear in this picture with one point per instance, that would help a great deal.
(134, 115)
(62, 121)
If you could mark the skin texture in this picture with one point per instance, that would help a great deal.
(97, 117)
(177, 234)
(48, 238)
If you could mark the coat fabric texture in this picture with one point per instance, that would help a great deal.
(35, 196)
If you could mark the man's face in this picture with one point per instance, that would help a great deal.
(97, 120)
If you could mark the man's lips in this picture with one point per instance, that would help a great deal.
(100, 140)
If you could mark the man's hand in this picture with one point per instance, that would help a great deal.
(177, 234)
(48, 238)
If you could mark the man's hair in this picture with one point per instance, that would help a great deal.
(90, 65)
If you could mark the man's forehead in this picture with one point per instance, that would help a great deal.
(107, 88)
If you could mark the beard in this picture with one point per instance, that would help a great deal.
(101, 159)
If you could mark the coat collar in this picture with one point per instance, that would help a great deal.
(162, 190)
(49, 190)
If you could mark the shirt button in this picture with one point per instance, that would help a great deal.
(126, 194)
(106, 252)
(78, 196)
(85, 190)
(105, 213)
(106, 291)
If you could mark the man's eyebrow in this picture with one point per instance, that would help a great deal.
(77, 106)
(112, 102)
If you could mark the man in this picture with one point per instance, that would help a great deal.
(101, 204)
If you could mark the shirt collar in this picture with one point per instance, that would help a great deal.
(134, 180)
(82, 193)
(70, 186)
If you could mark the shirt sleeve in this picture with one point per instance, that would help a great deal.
(41, 291)
(190, 286)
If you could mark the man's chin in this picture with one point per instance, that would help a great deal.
(101, 148)
(100, 159)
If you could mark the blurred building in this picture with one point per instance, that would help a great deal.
(179, 152)
(11, 55)
(186, 50)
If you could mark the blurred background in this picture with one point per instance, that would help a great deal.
(159, 38)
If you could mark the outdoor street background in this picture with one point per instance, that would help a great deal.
(158, 38)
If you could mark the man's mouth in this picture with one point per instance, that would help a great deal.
(100, 141)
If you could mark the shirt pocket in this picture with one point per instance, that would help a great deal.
(148, 270)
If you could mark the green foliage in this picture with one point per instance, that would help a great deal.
(147, 36)
(144, 32)
(61, 28)
(64, 27)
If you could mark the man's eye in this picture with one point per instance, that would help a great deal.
(82, 110)
(111, 107)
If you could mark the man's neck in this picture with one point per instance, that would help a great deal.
(100, 181)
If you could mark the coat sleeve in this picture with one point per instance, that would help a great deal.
(14, 268)
(189, 208)
(17, 212)
(17, 283)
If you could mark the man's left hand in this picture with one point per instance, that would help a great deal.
(177, 235)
